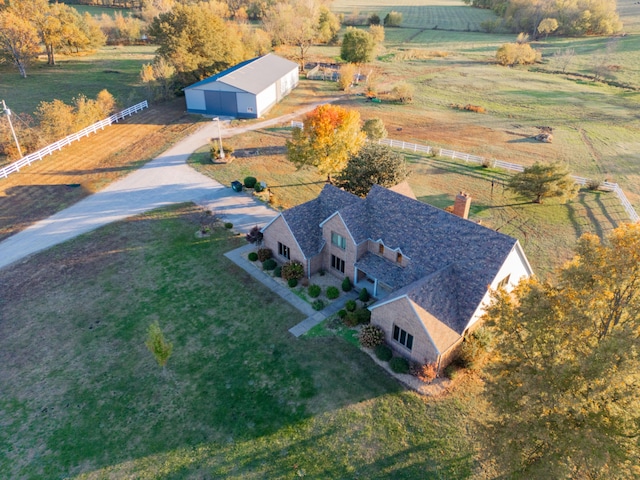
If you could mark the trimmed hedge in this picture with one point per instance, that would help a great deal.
(350, 305)
(292, 282)
(346, 285)
(318, 305)
(342, 313)
(332, 293)
(277, 272)
(228, 225)
(364, 295)
(315, 291)
(250, 182)
(253, 256)
(399, 365)
(383, 353)
(269, 264)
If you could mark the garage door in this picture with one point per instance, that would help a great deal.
(221, 103)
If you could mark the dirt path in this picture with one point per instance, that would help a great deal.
(165, 180)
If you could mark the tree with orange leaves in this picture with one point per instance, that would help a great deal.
(563, 386)
(330, 134)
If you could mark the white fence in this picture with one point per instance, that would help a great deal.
(49, 149)
(441, 152)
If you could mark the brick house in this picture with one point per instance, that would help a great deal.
(430, 271)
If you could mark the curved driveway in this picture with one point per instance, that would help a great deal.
(163, 181)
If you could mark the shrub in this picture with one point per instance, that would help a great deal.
(403, 92)
(215, 150)
(228, 225)
(474, 348)
(393, 19)
(371, 336)
(364, 295)
(384, 353)
(318, 305)
(292, 269)
(425, 372)
(594, 184)
(517, 54)
(269, 264)
(332, 293)
(264, 254)
(277, 272)
(375, 129)
(342, 313)
(255, 235)
(292, 282)
(358, 317)
(258, 187)
(474, 108)
(399, 365)
(350, 305)
(250, 182)
(346, 284)
(253, 256)
(314, 291)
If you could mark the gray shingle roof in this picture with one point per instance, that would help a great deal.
(451, 260)
(304, 220)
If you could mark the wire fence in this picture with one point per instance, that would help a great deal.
(493, 163)
(49, 149)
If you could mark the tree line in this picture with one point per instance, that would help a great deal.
(574, 17)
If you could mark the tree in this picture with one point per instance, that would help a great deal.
(18, 40)
(296, 23)
(403, 92)
(373, 165)
(328, 25)
(547, 26)
(158, 345)
(516, 54)
(255, 236)
(158, 77)
(377, 33)
(330, 134)
(564, 384)
(375, 129)
(196, 42)
(357, 46)
(347, 72)
(542, 181)
(564, 58)
(392, 19)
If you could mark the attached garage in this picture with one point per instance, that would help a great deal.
(246, 90)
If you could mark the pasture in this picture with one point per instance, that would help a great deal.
(115, 68)
(240, 397)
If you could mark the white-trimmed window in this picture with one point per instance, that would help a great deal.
(284, 251)
(402, 337)
(338, 240)
(337, 263)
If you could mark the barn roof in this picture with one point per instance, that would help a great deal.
(253, 75)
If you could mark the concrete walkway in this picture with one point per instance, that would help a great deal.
(164, 181)
(314, 317)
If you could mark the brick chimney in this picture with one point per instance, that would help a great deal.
(461, 205)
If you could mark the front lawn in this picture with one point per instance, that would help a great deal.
(240, 398)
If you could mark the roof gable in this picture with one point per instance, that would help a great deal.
(304, 220)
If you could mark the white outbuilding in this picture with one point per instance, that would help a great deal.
(246, 90)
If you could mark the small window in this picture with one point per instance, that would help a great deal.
(337, 263)
(284, 251)
(381, 249)
(504, 282)
(402, 337)
(399, 258)
(338, 240)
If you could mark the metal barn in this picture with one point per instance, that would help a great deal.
(246, 90)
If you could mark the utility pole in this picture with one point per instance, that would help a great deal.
(217, 119)
(8, 112)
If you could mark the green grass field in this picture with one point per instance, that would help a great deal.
(240, 398)
(115, 68)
